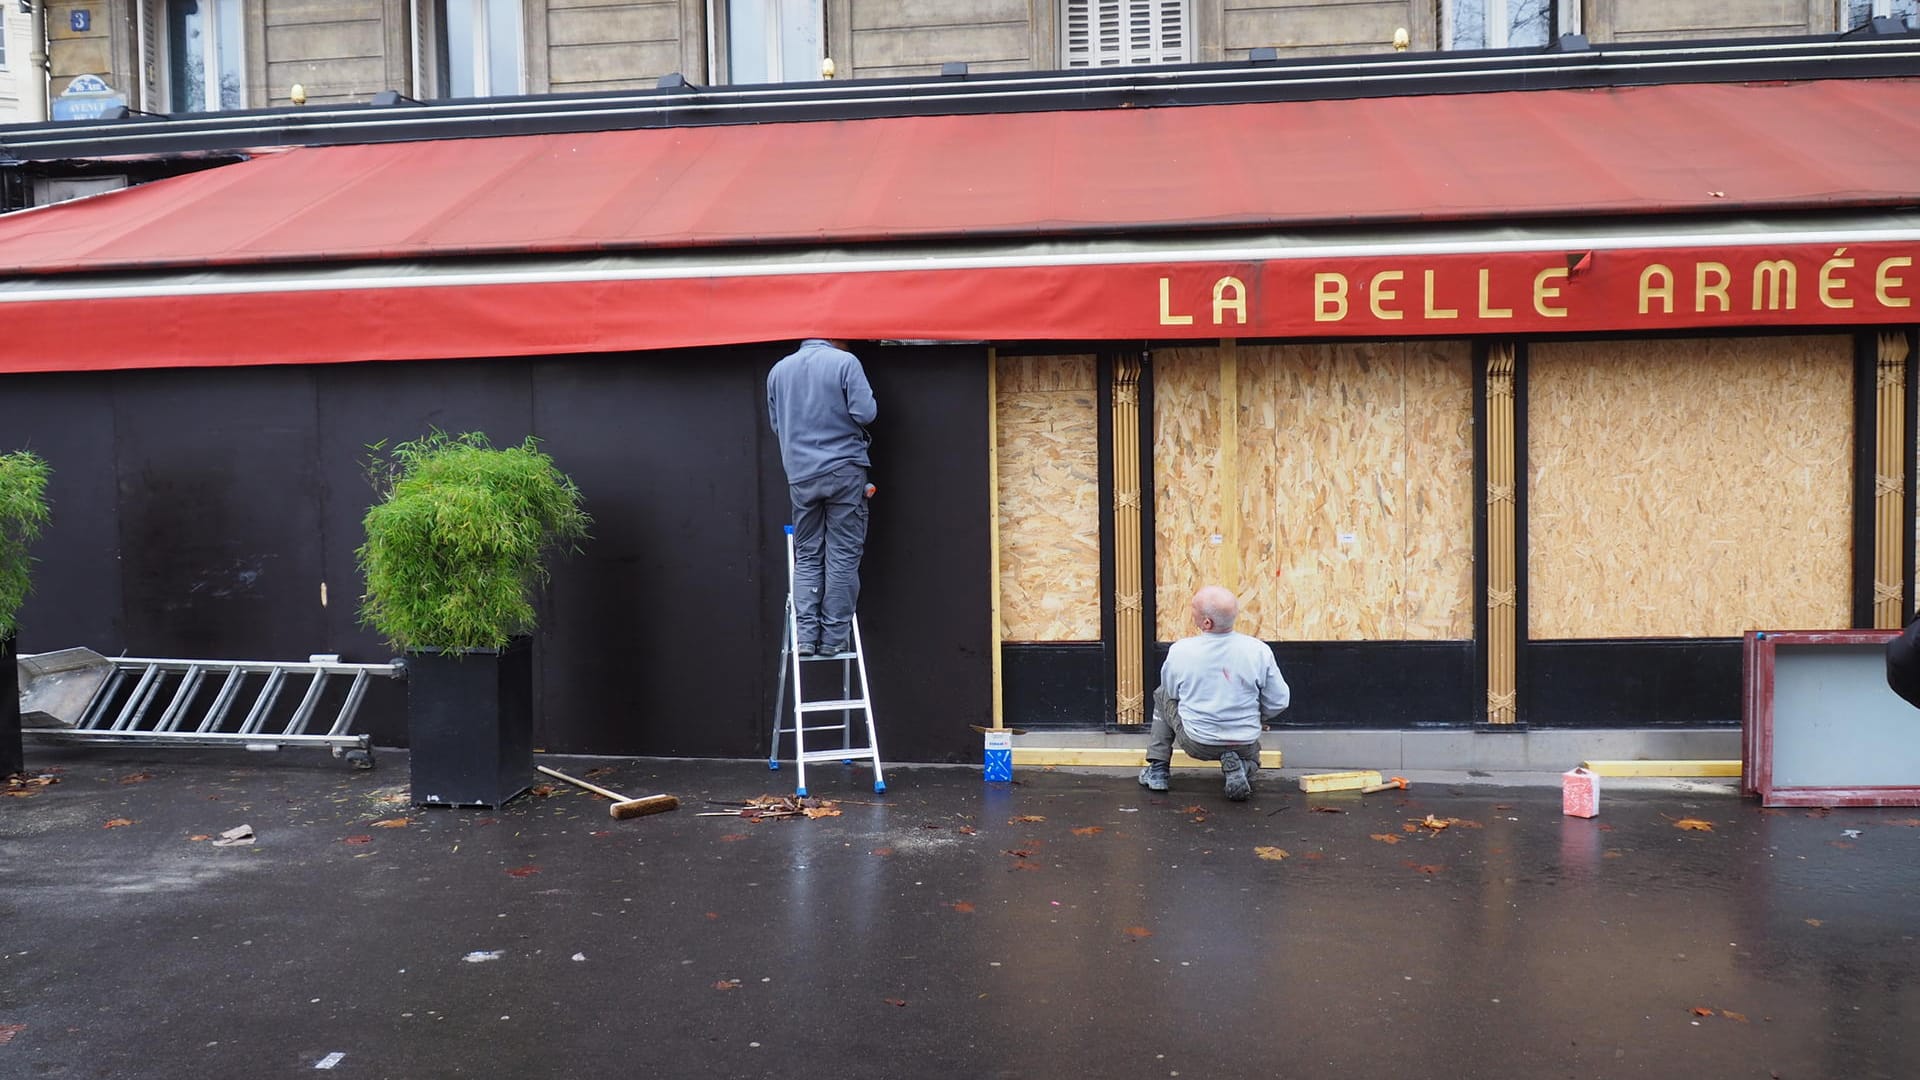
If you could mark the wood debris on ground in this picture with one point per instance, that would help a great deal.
(768, 807)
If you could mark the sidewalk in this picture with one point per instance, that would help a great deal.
(1070, 924)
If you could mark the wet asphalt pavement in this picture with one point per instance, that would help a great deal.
(1070, 924)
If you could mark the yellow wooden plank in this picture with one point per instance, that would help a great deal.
(1339, 781)
(1119, 757)
(1663, 768)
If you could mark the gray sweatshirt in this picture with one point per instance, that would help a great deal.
(1226, 685)
(820, 405)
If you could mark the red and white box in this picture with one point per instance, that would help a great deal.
(1580, 793)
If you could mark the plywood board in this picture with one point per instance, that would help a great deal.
(1049, 483)
(1690, 488)
(1354, 489)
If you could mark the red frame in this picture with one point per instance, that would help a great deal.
(1756, 767)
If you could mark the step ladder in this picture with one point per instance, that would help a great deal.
(794, 720)
(153, 701)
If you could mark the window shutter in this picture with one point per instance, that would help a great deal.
(1110, 33)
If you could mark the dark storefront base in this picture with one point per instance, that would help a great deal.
(1385, 685)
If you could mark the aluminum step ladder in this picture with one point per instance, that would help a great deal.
(794, 720)
(147, 700)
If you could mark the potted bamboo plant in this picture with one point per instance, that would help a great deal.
(457, 544)
(23, 511)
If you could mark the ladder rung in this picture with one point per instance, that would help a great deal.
(858, 755)
(848, 655)
(836, 705)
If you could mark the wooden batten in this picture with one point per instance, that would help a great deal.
(993, 530)
(1890, 482)
(1129, 646)
(1227, 568)
(1503, 639)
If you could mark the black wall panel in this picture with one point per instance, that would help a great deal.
(1056, 684)
(1679, 683)
(219, 527)
(68, 420)
(198, 513)
(359, 405)
(1370, 684)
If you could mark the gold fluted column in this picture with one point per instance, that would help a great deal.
(1129, 614)
(1890, 522)
(1503, 639)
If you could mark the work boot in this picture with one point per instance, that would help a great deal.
(806, 648)
(1235, 770)
(1154, 776)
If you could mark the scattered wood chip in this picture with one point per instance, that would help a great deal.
(1731, 1015)
(1024, 819)
(727, 984)
(1702, 1010)
(118, 823)
(1088, 830)
(1693, 825)
(391, 823)
(1273, 854)
(362, 839)
(962, 907)
(136, 778)
(1138, 932)
(1816, 922)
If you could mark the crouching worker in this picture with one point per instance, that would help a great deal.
(1216, 690)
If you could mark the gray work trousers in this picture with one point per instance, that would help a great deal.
(829, 535)
(1167, 730)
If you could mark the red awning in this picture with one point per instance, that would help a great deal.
(1642, 210)
(1541, 154)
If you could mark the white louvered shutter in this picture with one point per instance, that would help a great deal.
(1112, 33)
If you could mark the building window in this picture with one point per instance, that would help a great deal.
(1111, 33)
(203, 39)
(771, 41)
(1855, 13)
(480, 48)
(1504, 24)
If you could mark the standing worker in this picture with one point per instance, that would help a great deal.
(820, 405)
(1217, 689)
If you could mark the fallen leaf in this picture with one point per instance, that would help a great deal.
(1429, 868)
(1089, 830)
(1502, 806)
(1433, 823)
(1273, 854)
(1840, 843)
(8, 1031)
(1314, 856)
(883, 852)
(19, 793)
(1024, 865)
(814, 812)
(962, 907)
(1137, 932)
(523, 871)
(1609, 854)
(1816, 922)
(1702, 1010)
(727, 984)
(391, 823)
(1731, 1015)
(896, 1002)
(542, 790)
(966, 830)
(1386, 838)
(1410, 827)
(1025, 819)
(733, 837)
(1019, 853)
(136, 778)
(1465, 823)
(1603, 827)
(115, 823)
(358, 840)
(199, 836)
(1693, 825)
(713, 916)
(1193, 809)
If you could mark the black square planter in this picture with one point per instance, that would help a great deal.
(470, 724)
(12, 759)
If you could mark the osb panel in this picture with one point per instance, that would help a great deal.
(1186, 500)
(1049, 446)
(1689, 488)
(1355, 489)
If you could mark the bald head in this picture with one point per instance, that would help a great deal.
(1214, 609)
